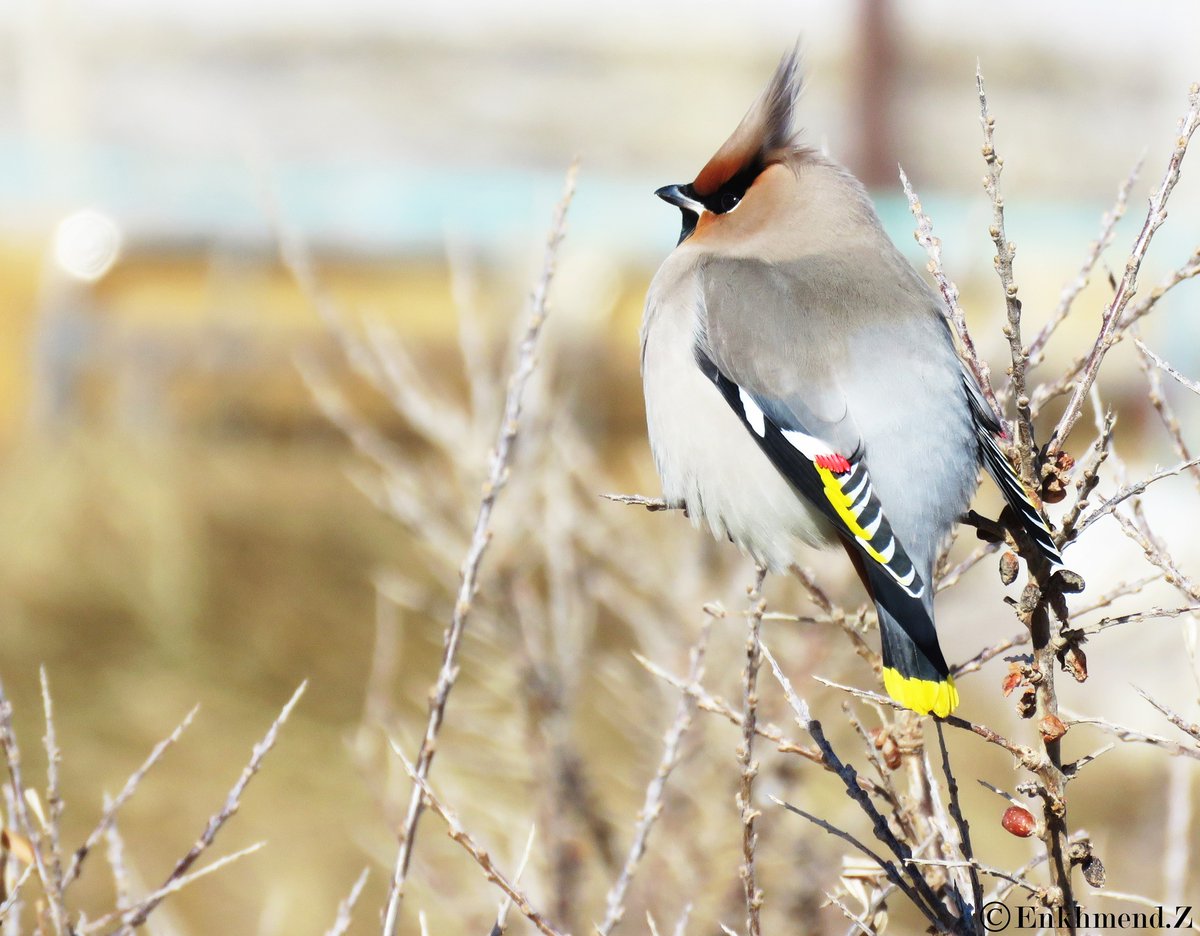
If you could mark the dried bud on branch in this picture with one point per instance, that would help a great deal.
(1009, 567)
(1052, 728)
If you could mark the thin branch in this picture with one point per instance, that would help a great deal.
(951, 576)
(1089, 477)
(25, 824)
(109, 816)
(1148, 614)
(1127, 286)
(1167, 368)
(1123, 590)
(1108, 226)
(888, 868)
(480, 537)
(1137, 531)
(54, 802)
(233, 801)
(1187, 727)
(1003, 262)
(1164, 409)
(1132, 490)
(920, 892)
(652, 504)
(1181, 274)
(135, 916)
(501, 924)
(964, 828)
(989, 653)
(345, 909)
(482, 858)
(707, 702)
(977, 869)
(652, 803)
(953, 311)
(115, 854)
(1027, 756)
(1122, 733)
(745, 756)
(859, 923)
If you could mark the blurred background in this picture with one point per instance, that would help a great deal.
(182, 524)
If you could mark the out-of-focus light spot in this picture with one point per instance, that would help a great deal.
(86, 244)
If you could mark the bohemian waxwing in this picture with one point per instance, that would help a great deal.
(802, 386)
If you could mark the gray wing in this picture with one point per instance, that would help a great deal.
(851, 350)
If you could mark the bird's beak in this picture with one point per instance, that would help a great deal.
(677, 196)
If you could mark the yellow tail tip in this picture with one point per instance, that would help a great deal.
(923, 696)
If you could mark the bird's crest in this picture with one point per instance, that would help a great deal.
(766, 128)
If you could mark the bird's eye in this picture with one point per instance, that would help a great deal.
(729, 201)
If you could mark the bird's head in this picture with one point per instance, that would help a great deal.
(763, 139)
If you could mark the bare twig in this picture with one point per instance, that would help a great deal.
(964, 828)
(54, 802)
(25, 823)
(500, 927)
(233, 801)
(1026, 756)
(1123, 733)
(479, 854)
(1127, 286)
(1181, 274)
(345, 909)
(1166, 368)
(480, 537)
(135, 916)
(745, 756)
(652, 803)
(14, 895)
(1122, 590)
(978, 868)
(1108, 226)
(640, 500)
(953, 311)
(109, 816)
(888, 867)
(1088, 479)
(917, 889)
(1164, 409)
(1187, 727)
(707, 702)
(1005, 251)
(1132, 490)
(115, 854)
(1147, 614)
(989, 653)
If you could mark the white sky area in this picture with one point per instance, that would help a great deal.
(1114, 24)
(388, 121)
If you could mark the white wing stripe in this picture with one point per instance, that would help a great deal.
(808, 446)
(754, 415)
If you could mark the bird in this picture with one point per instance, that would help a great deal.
(803, 388)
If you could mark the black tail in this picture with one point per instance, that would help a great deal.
(915, 673)
(987, 428)
(1001, 470)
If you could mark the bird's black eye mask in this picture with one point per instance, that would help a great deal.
(722, 201)
(730, 194)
